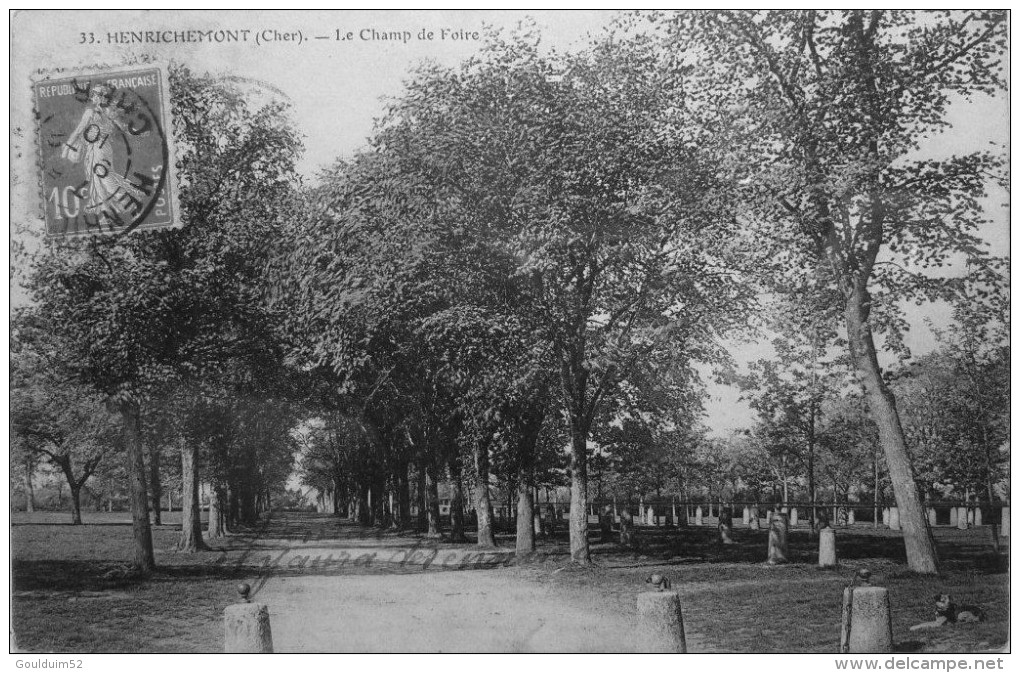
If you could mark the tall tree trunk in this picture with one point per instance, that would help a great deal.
(456, 502)
(525, 518)
(362, 516)
(29, 486)
(403, 498)
(874, 520)
(233, 514)
(144, 559)
(529, 434)
(217, 515)
(423, 500)
(64, 462)
(812, 493)
(75, 503)
(580, 552)
(432, 503)
(191, 510)
(483, 504)
(921, 554)
(155, 485)
(378, 505)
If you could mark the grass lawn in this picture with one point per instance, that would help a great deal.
(732, 602)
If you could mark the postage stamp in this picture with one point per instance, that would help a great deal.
(105, 152)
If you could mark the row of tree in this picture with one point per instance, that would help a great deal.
(535, 252)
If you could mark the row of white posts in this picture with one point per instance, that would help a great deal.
(959, 517)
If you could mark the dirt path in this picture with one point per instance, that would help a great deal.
(437, 610)
(460, 611)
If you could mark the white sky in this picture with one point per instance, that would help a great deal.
(336, 89)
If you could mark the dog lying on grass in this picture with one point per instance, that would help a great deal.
(948, 612)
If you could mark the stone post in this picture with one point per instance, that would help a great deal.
(1004, 526)
(885, 516)
(894, 518)
(954, 514)
(725, 525)
(851, 516)
(626, 527)
(755, 519)
(661, 622)
(778, 549)
(827, 548)
(978, 517)
(747, 515)
(699, 517)
(793, 516)
(867, 623)
(961, 518)
(246, 627)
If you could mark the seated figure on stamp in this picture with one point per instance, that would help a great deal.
(92, 143)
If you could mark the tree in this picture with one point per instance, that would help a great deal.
(64, 422)
(848, 442)
(602, 214)
(147, 313)
(788, 391)
(817, 117)
(956, 409)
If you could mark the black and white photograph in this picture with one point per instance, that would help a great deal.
(510, 331)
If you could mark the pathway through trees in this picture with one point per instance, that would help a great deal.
(393, 607)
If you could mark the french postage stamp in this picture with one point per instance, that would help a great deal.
(105, 151)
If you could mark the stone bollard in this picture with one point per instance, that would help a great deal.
(650, 516)
(851, 517)
(793, 516)
(778, 549)
(885, 516)
(931, 516)
(626, 527)
(867, 623)
(661, 622)
(747, 515)
(827, 548)
(725, 526)
(954, 514)
(978, 517)
(246, 626)
(755, 519)
(894, 518)
(537, 523)
(961, 518)
(699, 516)
(1004, 525)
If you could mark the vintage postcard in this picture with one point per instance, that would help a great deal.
(478, 331)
